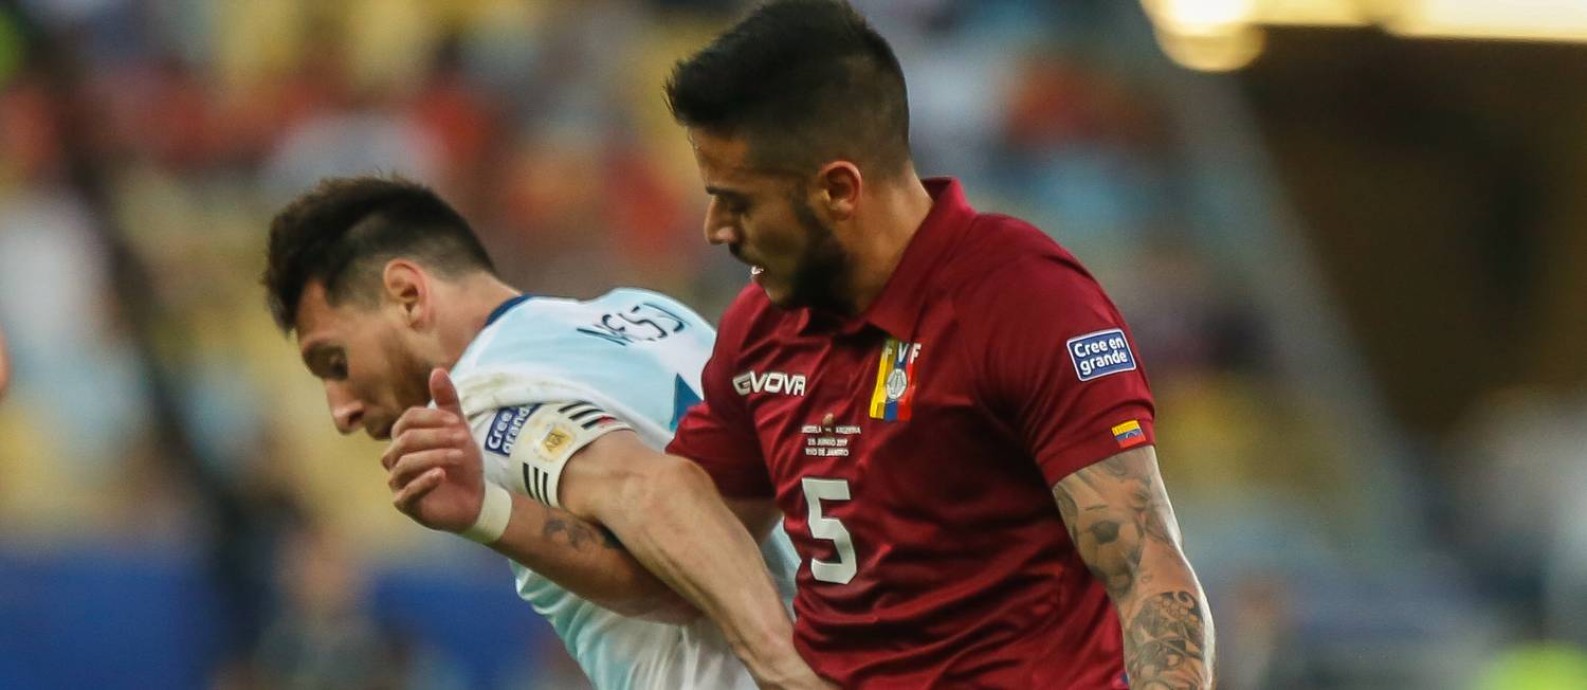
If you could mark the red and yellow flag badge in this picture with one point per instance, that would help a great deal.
(1129, 434)
(895, 381)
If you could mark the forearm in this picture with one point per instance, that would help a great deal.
(588, 562)
(674, 522)
(1120, 521)
(1168, 632)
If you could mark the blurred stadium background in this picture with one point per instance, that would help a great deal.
(1351, 236)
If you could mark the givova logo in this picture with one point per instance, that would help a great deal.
(1101, 353)
(769, 382)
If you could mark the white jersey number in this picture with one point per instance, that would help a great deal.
(830, 529)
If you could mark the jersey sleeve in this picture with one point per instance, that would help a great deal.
(1061, 365)
(526, 447)
(719, 433)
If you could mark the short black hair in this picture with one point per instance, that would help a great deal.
(341, 234)
(804, 82)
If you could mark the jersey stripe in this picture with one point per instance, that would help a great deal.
(584, 412)
(529, 484)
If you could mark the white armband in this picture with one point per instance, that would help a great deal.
(538, 441)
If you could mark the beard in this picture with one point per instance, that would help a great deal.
(410, 375)
(822, 272)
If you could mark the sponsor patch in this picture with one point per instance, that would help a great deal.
(1101, 353)
(770, 382)
(1129, 434)
(505, 427)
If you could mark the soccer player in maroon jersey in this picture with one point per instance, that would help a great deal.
(943, 403)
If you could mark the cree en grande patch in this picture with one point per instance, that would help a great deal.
(505, 427)
(1099, 354)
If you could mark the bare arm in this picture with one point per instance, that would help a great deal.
(596, 566)
(1118, 515)
(667, 511)
(588, 561)
(581, 558)
(435, 473)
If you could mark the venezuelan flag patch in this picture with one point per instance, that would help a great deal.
(895, 381)
(1129, 434)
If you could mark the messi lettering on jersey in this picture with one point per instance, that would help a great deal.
(1098, 354)
(895, 381)
(643, 323)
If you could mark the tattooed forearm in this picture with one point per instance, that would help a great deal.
(1118, 516)
(1110, 512)
(576, 533)
(1164, 645)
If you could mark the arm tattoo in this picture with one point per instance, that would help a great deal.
(1112, 534)
(575, 532)
(1115, 511)
(1164, 645)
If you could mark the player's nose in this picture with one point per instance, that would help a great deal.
(717, 229)
(346, 410)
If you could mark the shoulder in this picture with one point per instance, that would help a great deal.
(1006, 264)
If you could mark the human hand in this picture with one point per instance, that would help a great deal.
(434, 469)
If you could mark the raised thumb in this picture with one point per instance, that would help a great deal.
(444, 393)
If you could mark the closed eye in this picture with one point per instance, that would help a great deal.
(326, 362)
(730, 201)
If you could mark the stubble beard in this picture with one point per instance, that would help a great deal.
(411, 376)
(823, 271)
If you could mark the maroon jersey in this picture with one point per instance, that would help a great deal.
(912, 450)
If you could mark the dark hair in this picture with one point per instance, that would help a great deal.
(342, 233)
(804, 82)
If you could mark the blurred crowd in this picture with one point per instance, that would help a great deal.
(144, 145)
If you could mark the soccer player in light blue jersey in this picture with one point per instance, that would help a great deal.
(395, 304)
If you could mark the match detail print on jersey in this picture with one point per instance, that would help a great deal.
(895, 381)
(540, 439)
(1099, 354)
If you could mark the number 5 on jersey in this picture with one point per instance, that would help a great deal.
(830, 529)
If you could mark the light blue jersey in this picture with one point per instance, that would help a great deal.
(637, 356)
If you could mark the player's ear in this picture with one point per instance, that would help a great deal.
(837, 189)
(406, 287)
